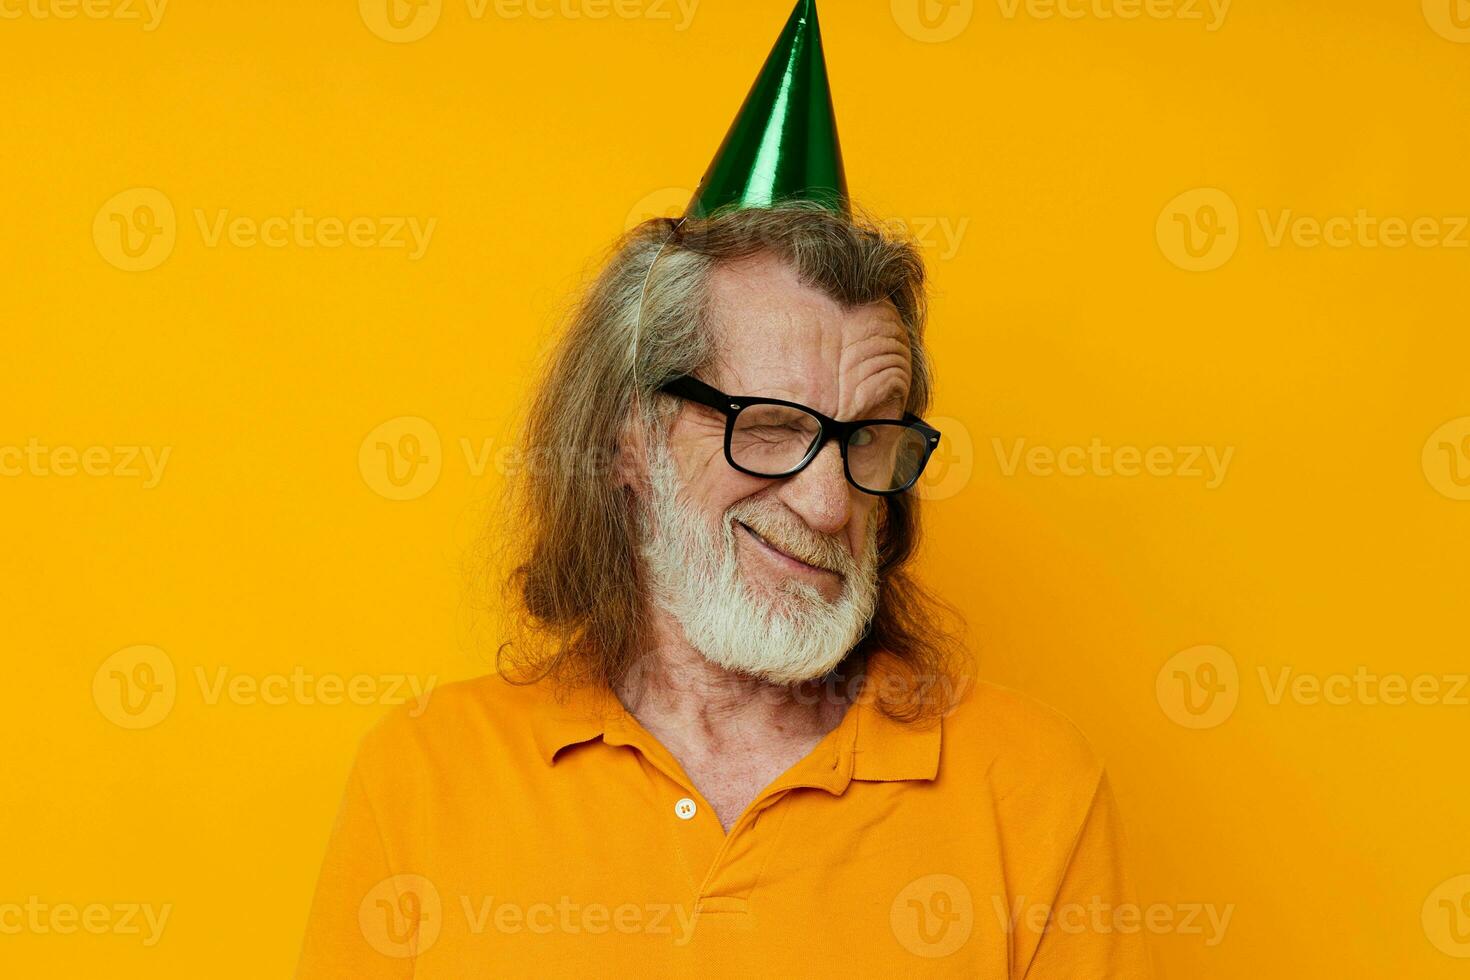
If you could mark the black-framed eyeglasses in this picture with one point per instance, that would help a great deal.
(771, 438)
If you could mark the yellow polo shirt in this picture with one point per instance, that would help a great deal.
(497, 831)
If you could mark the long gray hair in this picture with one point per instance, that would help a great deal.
(570, 571)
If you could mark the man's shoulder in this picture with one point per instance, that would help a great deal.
(480, 715)
(1015, 738)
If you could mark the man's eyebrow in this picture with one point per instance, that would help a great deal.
(893, 394)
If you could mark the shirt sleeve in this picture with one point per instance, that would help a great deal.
(363, 923)
(1096, 929)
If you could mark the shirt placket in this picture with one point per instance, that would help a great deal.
(724, 869)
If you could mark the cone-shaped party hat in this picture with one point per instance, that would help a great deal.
(783, 143)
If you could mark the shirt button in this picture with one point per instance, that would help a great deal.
(684, 809)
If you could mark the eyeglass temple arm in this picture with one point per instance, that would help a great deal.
(690, 387)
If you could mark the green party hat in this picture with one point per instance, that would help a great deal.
(783, 143)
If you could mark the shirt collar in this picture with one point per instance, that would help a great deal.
(867, 745)
(578, 715)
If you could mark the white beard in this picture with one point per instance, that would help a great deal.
(694, 575)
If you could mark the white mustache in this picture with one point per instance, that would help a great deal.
(782, 634)
(821, 552)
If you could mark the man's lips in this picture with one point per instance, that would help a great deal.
(782, 556)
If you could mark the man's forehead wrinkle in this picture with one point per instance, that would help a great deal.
(804, 346)
(887, 386)
(879, 363)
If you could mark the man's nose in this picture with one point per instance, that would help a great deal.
(820, 494)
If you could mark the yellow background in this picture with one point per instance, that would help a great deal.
(1049, 148)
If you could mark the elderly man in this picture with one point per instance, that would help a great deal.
(733, 736)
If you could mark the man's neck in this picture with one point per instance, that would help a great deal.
(733, 735)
